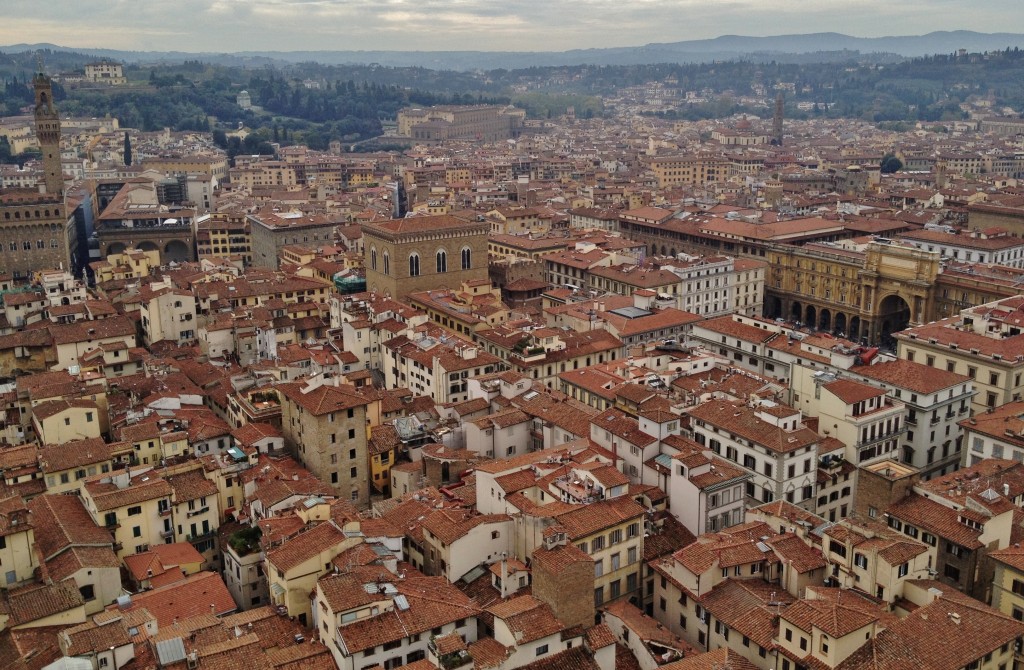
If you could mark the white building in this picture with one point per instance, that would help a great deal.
(768, 440)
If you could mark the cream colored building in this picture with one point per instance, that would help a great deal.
(984, 343)
(60, 421)
(129, 264)
(872, 557)
(294, 567)
(455, 542)
(136, 510)
(168, 314)
(861, 416)
(73, 340)
(18, 559)
(105, 73)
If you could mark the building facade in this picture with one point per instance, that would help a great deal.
(416, 254)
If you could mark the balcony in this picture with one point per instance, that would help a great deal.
(164, 512)
(166, 533)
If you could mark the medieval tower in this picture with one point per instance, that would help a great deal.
(35, 234)
(777, 120)
(48, 132)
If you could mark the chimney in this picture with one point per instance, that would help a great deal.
(504, 574)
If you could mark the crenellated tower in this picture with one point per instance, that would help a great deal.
(48, 133)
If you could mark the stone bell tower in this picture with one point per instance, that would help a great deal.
(48, 133)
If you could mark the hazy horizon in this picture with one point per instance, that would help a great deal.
(225, 26)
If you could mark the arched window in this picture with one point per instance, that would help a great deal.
(414, 265)
(373, 258)
(387, 263)
(442, 261)
(467, 258)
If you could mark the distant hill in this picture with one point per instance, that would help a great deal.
(824, 47)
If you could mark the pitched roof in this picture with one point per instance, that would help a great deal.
(432, 603)
(38, 601)
(64, 522)
(201, 593)
(947, 634)
(527, 618)
(325, 398)
(306, 545)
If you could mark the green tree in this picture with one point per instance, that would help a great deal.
(127, 149)
(890, 164)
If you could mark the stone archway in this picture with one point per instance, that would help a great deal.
(772, 307)
(116, 248)
(796, 312)
(146, 245)
(840, 325)
(854, 333)
(825, 320)
(812, 317)
(176, 251)
(893, 316)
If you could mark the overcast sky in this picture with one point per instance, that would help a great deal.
(492, 25)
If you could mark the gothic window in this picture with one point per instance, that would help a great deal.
(414, 265)
(387, 263)
(373, 258)
(467, 258)
(442, 261)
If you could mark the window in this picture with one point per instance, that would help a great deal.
(467, 258)
(414, 265)
(541, 650)
(442, 261)
(88, 592)
(373, 258)
(903, 570)
(387, 263)
(860, 560)
(133, 511)
(597, 544)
